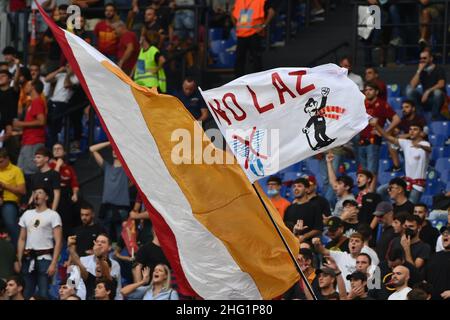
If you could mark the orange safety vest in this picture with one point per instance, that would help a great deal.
(249, 15)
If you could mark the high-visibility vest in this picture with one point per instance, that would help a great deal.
(144, 74)
(249, 15)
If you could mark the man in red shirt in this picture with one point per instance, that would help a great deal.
(33, 126)
(369, 140)
(371, 75)
(127, 48)
(104, 32)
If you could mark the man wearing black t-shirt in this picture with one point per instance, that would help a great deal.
(438, 269)
(432, 78)
(88, 231)
(397, 192)
(416, 251)
(302, 209)
(149, 255)
(54, 56)
(320, 202)
(428, 233)
(384, 214)
(46, 177)
(9, 97)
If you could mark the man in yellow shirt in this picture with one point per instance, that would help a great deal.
(273, 191)
(12, 187)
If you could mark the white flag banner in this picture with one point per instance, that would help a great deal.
(275, 118)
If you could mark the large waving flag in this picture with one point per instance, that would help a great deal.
(275, 118)
(208, 218)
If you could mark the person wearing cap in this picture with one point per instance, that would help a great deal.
(302, 209)
(335, 231)
(40, 243)
(346, 261)
(342, 186)
(383, 218)
(438, 269)
(428, 233)
(367, 199)
(321, 202)
(417, 153)
(273, 191)
(358, 285)
(399, 281)
(416, 251)
(350, 216)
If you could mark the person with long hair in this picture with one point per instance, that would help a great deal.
(158, 289)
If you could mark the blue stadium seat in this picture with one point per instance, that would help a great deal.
(384, 165)
(393, 90)
(433, 175)
(384, 153)
(440, 127)
(433, 188)
(233, 34)
(312, 165)
(395, 103)
(350, 166)
(218, 46)
(419, 88)
(440, 152)
(291, 175)
(436, 140)
(99, 135)
(442, 164)
(384, 177)
(445, 175)
(352, 175)
(215, 34)
(427, 199)
(448, 89)
(295, 167)
(227, 59)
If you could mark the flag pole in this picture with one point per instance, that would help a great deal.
(297, 266)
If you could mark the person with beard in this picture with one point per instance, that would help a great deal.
(432, 78)
(302, 209)
(273, 191)
(55, 57)
(395, 258)
(428, 233)
(384, 215)
(416, 251)
(346, 261)
(151, 23)
(402, 131)
(416, 152)
(88, 231)
(104, 32)
(321, 202)
(371, 75)
(335, 231)
(438, 269)
(399, 281)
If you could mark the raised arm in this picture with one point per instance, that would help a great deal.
(331, 173)
(385, 135)
(94, 149)
(318, 246)
(125, 291)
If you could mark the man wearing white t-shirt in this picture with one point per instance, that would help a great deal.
(345, 261)
(64, 80)
(399, 280)
(39, 245)
(416, 152)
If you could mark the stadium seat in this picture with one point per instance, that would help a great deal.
(215, 34)
(295, 167)
(218, 46)
(436, 140)
(99, 135)
(384, 153)
(396, 104)
(350, 166)
(440, 127)
(227, 59)
(440, 152)
(448, 89)
(384, 165)
(312, 165)
(291, 176)
(442, 164)
(445, 175)
(393, 90)
(419, 88)
(433, 188)
(433, 175)
(352, 175)
(427, 199)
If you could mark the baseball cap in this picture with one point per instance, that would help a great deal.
(327, 271)
(357, 275)
(445, 229)
(351, 202)
(311, 179)
(334, 223)
(383, 208)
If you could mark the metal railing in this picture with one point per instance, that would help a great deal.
(444, 23)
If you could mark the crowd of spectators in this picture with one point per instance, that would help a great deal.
(375, 243)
